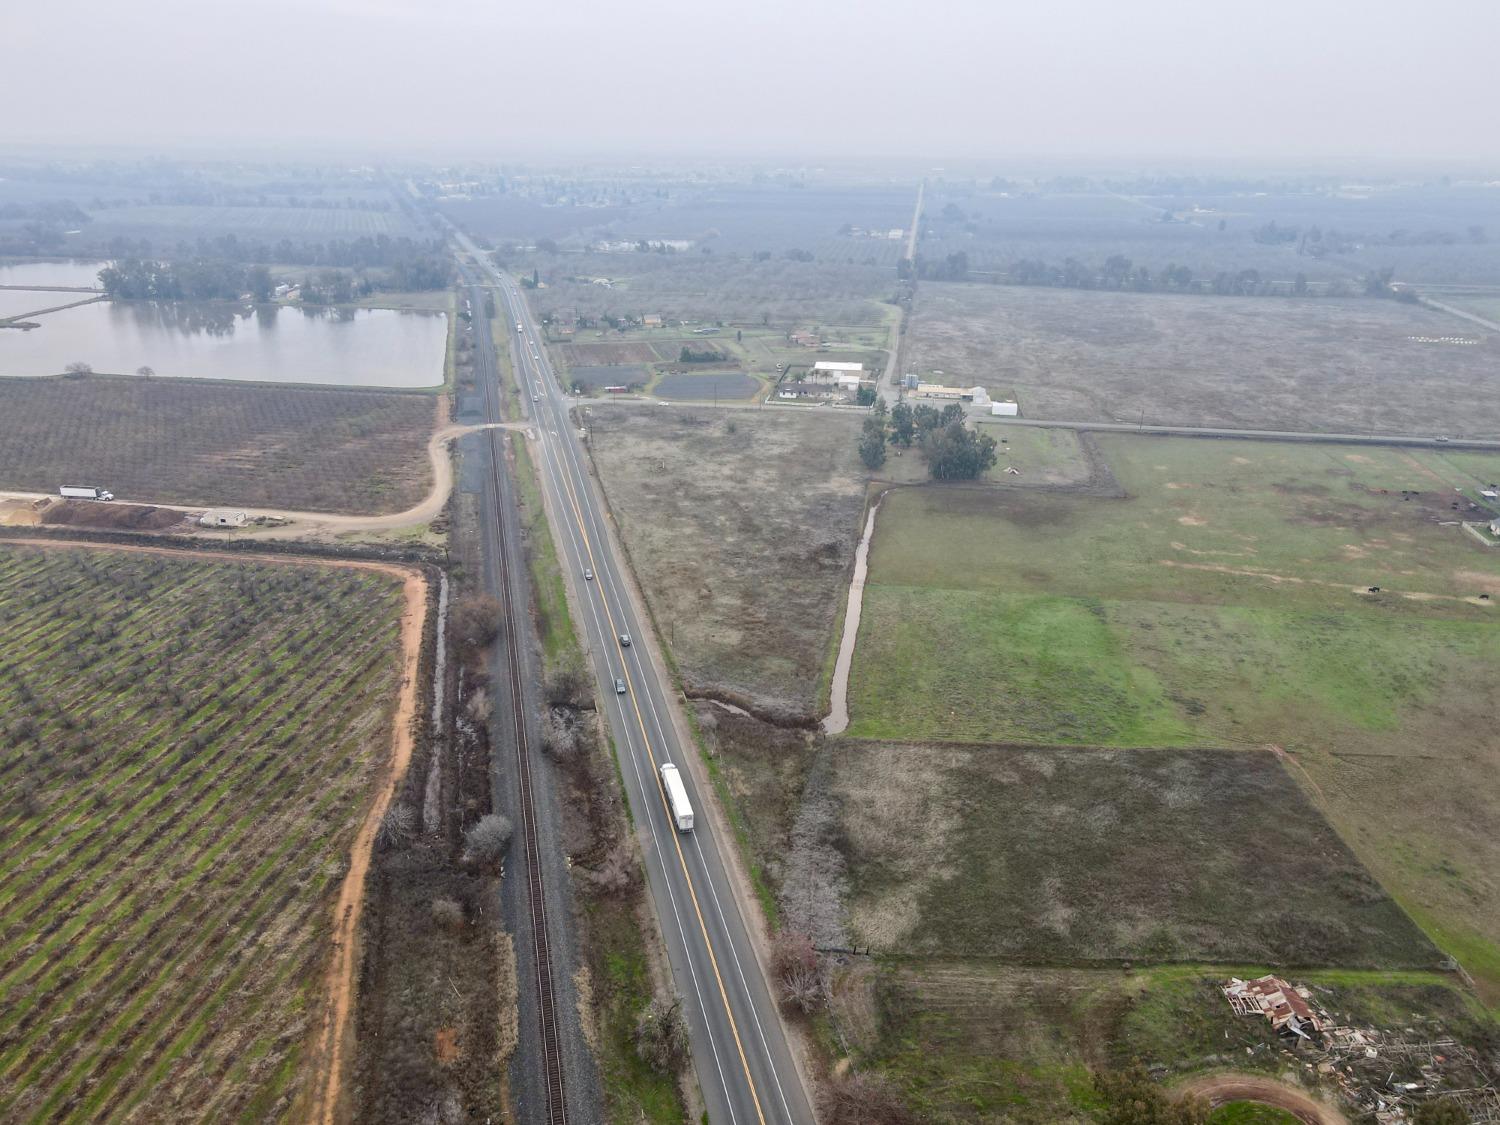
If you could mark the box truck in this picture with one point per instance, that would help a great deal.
(677, 798)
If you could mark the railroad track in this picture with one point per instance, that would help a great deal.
(536, 896)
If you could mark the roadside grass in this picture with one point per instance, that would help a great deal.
(242, 709)
(1077, 856)
(634, 1091)
(1226, 602)
(560, 645)
(975, 1041)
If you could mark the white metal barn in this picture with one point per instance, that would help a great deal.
(223, 517)
(1004, 409)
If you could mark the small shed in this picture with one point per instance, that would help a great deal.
(223, 517)
(1495, 527)
(1004, 409)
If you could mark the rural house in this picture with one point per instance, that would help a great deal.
(651, 320)
(801, 390)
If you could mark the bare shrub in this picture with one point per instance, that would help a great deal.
(448, 914)
(480, 706)
(794, 968)
(398, 827)
(476, 621)
(486, 839)
(569, 687)
(617, 873)
(661, 1036)
(861, 1098)
(558, 738)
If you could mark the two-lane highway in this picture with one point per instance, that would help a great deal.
(745, 1066)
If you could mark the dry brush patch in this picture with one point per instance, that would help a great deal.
(188, 742)
(742, 538)
(193, 443)
(1337, 365)
(1075, 856)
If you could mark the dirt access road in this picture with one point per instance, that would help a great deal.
(330, 1048)
(1218, 1089)
(304, 524)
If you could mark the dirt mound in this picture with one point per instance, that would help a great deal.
(118, 517)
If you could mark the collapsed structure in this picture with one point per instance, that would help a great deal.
(1289, 1009)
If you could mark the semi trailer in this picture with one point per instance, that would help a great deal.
(77, 493)
(677, 798)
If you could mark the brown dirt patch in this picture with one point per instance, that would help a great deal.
(445, 1045)
(115, 517)
(1219, 1089)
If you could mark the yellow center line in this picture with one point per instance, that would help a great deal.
(655, 769)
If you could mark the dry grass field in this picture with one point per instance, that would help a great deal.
(1071, 856)
(189, 746)
(1343, 365)
(741, 526)
(194, 443)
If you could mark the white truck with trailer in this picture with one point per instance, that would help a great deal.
(69, 492)
(677, 798)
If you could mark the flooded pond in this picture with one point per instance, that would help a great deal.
(353, 348)
(14, 302)
(61, 272)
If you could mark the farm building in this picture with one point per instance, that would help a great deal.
(830, 369)
(1495, 527)
(223, 517)
(805, 339)
(651, 320)
(1004, 409)
(937, 390)
(1287, 1008)
(911, 381)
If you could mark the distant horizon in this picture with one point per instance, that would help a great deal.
(582, 161)
(1291, 82)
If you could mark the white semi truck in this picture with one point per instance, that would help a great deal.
(72, 493)
(682, 809)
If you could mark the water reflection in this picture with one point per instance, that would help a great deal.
(217, 340)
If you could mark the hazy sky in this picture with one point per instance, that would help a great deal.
(803, 79)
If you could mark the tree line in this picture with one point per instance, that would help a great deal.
(952, 450)
(219, 279)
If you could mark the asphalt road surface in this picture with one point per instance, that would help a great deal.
(744, 1063)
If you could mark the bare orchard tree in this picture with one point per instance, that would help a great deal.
(146, 372)
(78, 367)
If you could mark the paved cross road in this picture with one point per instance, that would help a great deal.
(744, 1063)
